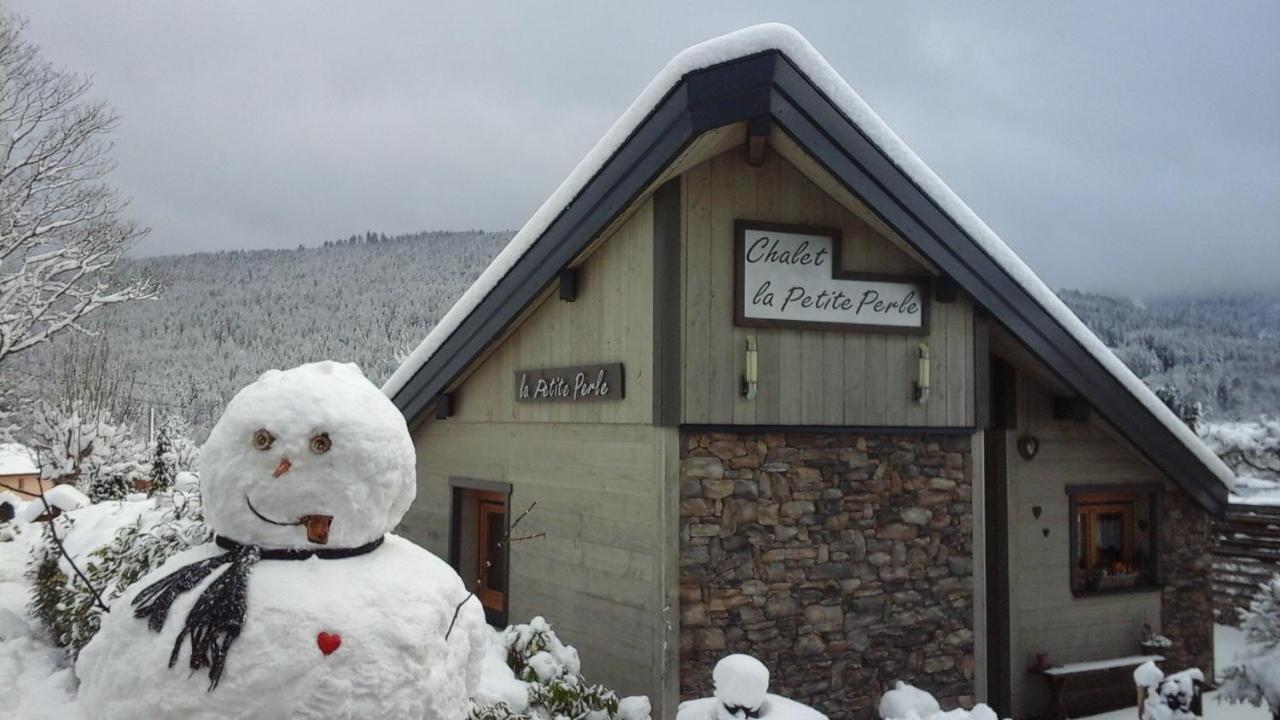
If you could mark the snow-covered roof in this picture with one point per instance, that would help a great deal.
(16, 459)
(786, 40)
(62, 497)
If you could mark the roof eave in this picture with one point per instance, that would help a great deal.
(769, 84)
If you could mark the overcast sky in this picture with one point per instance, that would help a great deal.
(1116, 146)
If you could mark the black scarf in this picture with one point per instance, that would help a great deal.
(218, 615)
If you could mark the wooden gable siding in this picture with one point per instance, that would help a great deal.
(807, 377)
(1045, 615)
(610, 321)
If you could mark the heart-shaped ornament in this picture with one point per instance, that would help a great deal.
(328, 642)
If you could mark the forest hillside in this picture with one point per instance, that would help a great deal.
(226, 317)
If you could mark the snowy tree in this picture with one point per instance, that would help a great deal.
(172, 452)
(61, 227)
(1250, 449)
(1188, 411)
(78, 444)
(163, 462)
(1255, 677)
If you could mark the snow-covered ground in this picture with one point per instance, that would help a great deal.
(1227, 642)
(36, 680)
(35, 677)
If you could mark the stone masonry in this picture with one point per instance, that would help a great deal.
(1186, 564)
(842, 561)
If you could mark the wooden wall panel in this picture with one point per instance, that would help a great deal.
(596, 575)
(1046, 617)
(807, 377)
(611, 321)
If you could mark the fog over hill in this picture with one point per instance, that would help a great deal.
(228, 316)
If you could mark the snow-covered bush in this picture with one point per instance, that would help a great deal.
(1250, 449)
(79, 444)
(742, 691)
(1255, 676)
(907, 702)
(112, 560)
(1168, 697)
(547, 683)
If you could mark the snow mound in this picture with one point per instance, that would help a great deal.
(186, 481)
(905, 700)
(1147, 674)
(741, 691)
(63, 497)
(740, 680)
(1170, 697)
(15, 459)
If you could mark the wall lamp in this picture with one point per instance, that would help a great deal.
(750, 371)
(922, 375)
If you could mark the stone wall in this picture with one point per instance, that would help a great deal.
(842, 561)
(1186, 538)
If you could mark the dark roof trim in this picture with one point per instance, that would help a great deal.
(768, 83)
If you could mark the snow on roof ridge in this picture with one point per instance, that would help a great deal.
(787, 40)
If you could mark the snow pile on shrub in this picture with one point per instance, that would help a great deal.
(742, 691)
(1255, 676)
(1252, 451)
(908, 702)
(1169, 697)
(529, 674)
(62, 497)
(114, 544)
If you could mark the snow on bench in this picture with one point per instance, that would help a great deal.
(1081, 668)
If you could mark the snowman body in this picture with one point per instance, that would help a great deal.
(355, 636)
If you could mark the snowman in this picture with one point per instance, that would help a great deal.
(742, 693)
(306, 605)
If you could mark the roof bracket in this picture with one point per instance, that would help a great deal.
(444, 406)
(569, 284)
(757, 135)
(945, 290)
(1072, 408)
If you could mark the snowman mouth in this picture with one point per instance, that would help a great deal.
(317, 525)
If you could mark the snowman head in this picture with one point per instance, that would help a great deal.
(742, 684)
(310, 457)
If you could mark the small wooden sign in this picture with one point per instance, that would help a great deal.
(583, 383)
(793, 276)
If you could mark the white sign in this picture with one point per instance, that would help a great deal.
(793, 276)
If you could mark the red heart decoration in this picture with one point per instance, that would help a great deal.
(328, 642)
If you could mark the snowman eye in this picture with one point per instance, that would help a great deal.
(321, 443)
(262, 440)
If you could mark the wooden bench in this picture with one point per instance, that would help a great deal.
(1092, 687)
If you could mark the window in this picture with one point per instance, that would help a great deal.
(1113, 538)
(477, 530)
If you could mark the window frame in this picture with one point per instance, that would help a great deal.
(1151, 572)
(496, 613)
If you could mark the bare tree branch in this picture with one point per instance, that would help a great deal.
(62, 231)
(502, 544)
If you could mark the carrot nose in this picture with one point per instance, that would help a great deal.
(282, 468)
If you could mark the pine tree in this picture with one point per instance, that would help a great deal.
(163, 462)
(1255, 677)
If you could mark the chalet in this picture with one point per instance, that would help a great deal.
(775, 389)
(19, 479)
